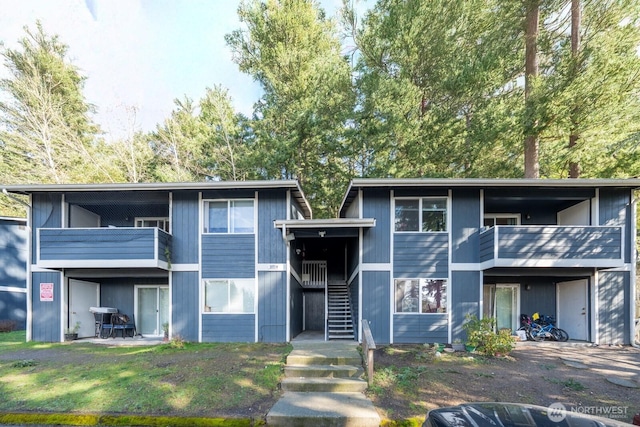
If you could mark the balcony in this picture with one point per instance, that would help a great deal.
(552, 246)
(113, 247)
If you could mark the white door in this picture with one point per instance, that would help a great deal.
(152, 309)
(83, 295)
(572, 308)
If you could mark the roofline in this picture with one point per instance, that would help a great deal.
(13, 218)
(357, 183)
(325, 223)
(293, 185)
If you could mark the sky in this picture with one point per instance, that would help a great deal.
(140, 55)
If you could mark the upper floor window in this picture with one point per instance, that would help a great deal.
(423, 214)
(161, 223)
(229, 216)
(491, 220)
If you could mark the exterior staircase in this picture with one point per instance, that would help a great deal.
(339, 316)
(323, 386)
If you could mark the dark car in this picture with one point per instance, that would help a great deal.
(515, 414)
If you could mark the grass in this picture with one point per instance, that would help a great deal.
(189, 380)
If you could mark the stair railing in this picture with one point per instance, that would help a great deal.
(368, 347)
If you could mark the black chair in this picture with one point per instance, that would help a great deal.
(124, 324)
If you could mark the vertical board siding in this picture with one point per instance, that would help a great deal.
(165, 251)
(355, 302)
(46, 314)
(465, 223)
(46, 213)
(272, 306)
(119, 292)
(272, 205)
(13, 253)
(465, 291)
(296, 310)
(420, 328)
(184, 228)
(487, 244)
(13, 306)
(540, 298)
(185, 288)
(377, 240)
(228, 256)
(615, 207)
(614, 299)
(420, 255)
(376, 300)
(228, 327)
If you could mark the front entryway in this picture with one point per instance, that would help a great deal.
(152, 309)
(82, 295)
(572, 308)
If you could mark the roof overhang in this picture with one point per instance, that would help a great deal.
(359, 183)
(335, 227)
(291, 185)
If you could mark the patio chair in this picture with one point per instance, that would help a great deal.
(124, 324)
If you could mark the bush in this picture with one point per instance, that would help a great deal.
(7, 325)
(481, 335)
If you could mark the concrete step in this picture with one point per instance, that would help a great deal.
(323, 371)
(323, 410)
(325, 354)
(324, 385)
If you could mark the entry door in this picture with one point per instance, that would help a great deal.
(314, 310)
(572, 308)
(501, 302)
(83, 295)
(152, 309)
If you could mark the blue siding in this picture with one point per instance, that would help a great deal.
(487, 244)
(465, 291)
(46, 317)
(46, 213)
(420, 255)
(355, 302)
(228, 327)
(272, 205)
(184, 228)
(100, 244)
(119, 292)
(614, 299)
(296, 308)
(528, 242)
(230, 256)
(376, 301)
(377, 240)
(13, 306)
(615, 208)
(465, 220)
(272, 306)
(13, 253)
(420, 328)
(185, 287)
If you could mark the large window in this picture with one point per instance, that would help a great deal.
(229, 295)
(422, 215)
(420, 296)
(229, 216)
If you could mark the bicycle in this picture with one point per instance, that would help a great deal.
(543, 327)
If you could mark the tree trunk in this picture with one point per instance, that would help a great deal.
(574, 166)
(532, 139)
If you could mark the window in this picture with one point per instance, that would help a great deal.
(229, 216)
(229, 295)
(491, 220)
(161, 223)
(424, 214)
(421, 296)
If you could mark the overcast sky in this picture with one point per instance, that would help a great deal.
(141, 54)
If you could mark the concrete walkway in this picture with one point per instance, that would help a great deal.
(323, 386)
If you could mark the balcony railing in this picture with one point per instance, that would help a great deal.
(113, 247)
(552, 246)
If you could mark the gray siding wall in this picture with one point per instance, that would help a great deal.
(184, 315)
(376, 300)
(13, 306)
(272, 248)
(228, 328)
(417, 328)
(465, 220)
(119, 292)
(615, 210)
(420, 255)
(13, 254)
(230, 256)
(377, 240)
(466, 289)
(184, 228)
(558, 243)
(46, 213)
(487, 244)
(355, 301)
(296, 310)
(46, 318)
(613, 302)
(272, 306)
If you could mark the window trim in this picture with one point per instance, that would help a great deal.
(153, 218)
(205, 216)
(420, 211)
(494, 216)
(420, 313)
(228, 282)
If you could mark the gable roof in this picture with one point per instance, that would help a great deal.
(292, 185)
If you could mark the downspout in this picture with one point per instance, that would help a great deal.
(634, 260)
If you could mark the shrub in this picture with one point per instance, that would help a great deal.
(481, 335)
(7, 325)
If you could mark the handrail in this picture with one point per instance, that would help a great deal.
(368, 347)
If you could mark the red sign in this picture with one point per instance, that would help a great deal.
(46, 291)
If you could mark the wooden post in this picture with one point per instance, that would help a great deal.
(368, 347)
